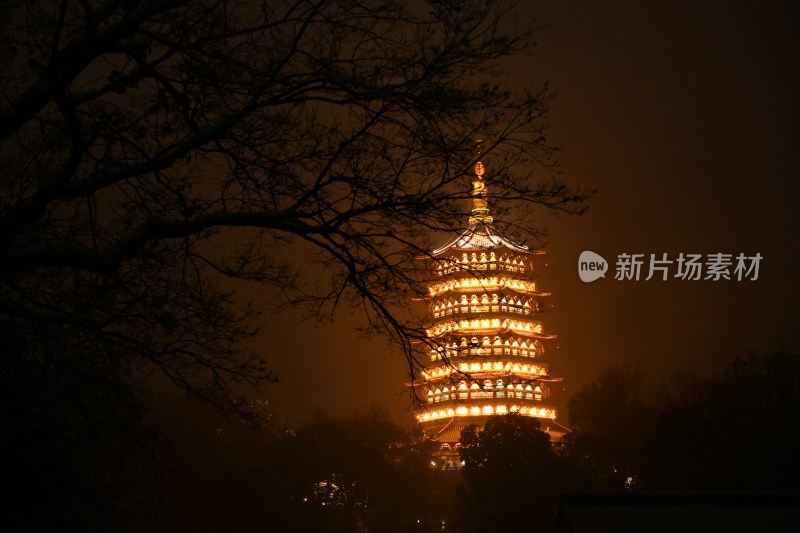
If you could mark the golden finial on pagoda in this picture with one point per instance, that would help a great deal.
(480, 207)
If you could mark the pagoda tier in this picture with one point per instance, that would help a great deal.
(485, 336)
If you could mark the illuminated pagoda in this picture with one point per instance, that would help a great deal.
(487, 342)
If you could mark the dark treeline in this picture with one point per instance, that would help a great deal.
(732, 431)
(364, 473)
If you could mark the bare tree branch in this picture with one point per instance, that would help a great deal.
(140, 141)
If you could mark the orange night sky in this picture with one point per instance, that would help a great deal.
(683, 116)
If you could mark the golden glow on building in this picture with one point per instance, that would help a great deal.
(486, 341)
(482, 285)
(459, 369)
(484, 324)
(486, 410)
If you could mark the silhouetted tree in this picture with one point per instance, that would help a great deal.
(361, 474)
(613, 419)
(149, 145)
(149, 148)
(74, 449)
(737, 430)
(513, 476)
(734, 430)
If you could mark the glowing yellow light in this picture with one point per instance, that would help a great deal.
(480, 309)
(437, 372)
(484, 283)
(487, 410)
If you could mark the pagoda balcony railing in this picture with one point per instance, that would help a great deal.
(473, 267)
(465, 311)
(483, 395)
(484, 352)
(482, 284)
(482, 409)
(501, 366)
(487, 351)
(485, 326)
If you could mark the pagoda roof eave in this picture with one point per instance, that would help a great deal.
(482, 236)
(495, 331)
(485, 290)
(485, 374)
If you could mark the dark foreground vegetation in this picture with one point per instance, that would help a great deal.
(732, 431)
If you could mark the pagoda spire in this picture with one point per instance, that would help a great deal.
(480, 206)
